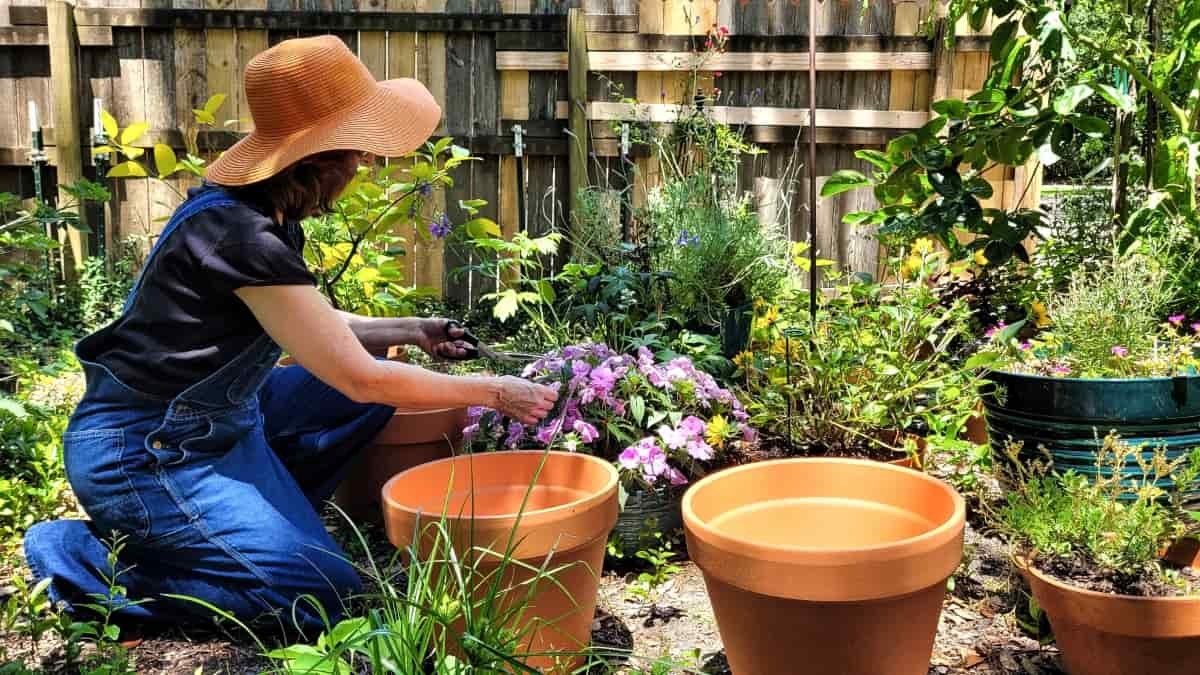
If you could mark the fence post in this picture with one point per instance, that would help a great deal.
(577, 76)
(64, 76)
(943, 56)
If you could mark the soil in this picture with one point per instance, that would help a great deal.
(776, 448)
(1086, 575)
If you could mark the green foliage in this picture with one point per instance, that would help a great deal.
(1110, 322)
(879, 361)
(516, 268)
(357, 252)
(659, 556)
(1118, 524)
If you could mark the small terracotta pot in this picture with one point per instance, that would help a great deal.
(566, 523)
(1104, 634)
(840, 563)
(407, 440)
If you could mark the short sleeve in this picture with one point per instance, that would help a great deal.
(260, 256)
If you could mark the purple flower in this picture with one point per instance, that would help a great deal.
(1196, 328)
(676, 477)
(1176, 319)
(425, 189)
(991, 332)
(739, 414)
(1026, 346)
(688, 240)
(441, 227)
(603, 378)
(469, 431)
(1120, 352)
(580, 368)
(547, 433)
(693, 426)
(587, 433)
(749, 434)
(516, 431)
(700, 450)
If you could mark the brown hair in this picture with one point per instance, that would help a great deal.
(307, 187)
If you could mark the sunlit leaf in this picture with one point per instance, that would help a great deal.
(214, 103)
(128, 169)
(843, 181)
(165, 160)
(133, 132)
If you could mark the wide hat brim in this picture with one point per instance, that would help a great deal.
(397, 118)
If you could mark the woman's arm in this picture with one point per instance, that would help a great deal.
(378, 334)
(303, 323)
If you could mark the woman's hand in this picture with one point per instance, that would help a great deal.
(439, 340)
(525, 401)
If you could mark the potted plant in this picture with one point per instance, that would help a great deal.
(663, 423)
(874, 373)
(841, 563)
(1090, 547)
(1110, 360)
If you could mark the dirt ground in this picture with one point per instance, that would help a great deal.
(977, 634)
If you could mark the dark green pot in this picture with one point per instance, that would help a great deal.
(1070, 418)
(647, 511)
(735, 330)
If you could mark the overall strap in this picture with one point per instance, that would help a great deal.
(207, 199)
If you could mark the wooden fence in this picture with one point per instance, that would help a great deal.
(496, 64)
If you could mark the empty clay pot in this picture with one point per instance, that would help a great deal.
(568, 516)
(1104, 634)
(408, 439)
(836, 564)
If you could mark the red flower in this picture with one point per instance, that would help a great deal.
(717, 74)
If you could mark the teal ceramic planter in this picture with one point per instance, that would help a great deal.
(1070, 417)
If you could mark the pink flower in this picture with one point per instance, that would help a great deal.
(1061, 370)
(547, 433)
(603, 378)
(1176, 319)
(516, 431)
(699, 450)
(628, 459)
(1196, 328)
(587, 433)
(580, 368)
(749, 434)
(469, 431)
(1120, 352)
(693, 426)
(1026, 346)
(676, 477)
(673, 438)
(991, 332)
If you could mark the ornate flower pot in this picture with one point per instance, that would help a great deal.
(839, 563)
(1105, 634)
(407, 440)
(656, 510)
(570, 511)
(1070, 417)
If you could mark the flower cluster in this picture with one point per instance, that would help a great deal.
(658, 420)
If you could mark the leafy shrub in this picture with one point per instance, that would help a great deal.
(1115, 526)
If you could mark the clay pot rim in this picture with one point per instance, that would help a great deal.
(593, 498)
(1023, 565)
(945, 531)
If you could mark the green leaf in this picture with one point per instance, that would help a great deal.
(506, 307)
(482, 228)
(546, 290)
(1120, 99)
(165, 160)
(951, 108)
(637, 406)
(214, 103)
(130, 169)
(13, 408)
(459, 152)
(988, 102)
(6, 325)
(1093, 127)
(204, 117)
(876, 158)
(843, 181)
(110, 125)
(981, 360)
(1001, 38)
(1070, 99)
(133, 132)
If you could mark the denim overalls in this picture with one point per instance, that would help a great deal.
(216, 490)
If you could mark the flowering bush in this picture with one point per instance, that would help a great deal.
(1108, 324)
(663, 423)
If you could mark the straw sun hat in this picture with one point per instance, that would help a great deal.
(312, 95)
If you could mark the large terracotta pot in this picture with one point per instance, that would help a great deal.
(836, 564)
(565, 525)
(1104, 634)
(407, 440)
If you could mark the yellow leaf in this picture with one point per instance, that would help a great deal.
(980, 259)
(133, 132)
(132, 152)
(165, 160)
(103, 150)
(1040, 316)
(110, 125)
(214, 103)
(129, 169)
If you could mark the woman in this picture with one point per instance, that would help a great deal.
(209, 460)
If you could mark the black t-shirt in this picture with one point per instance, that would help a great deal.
(186, 321)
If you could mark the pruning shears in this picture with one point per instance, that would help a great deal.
(475, 348)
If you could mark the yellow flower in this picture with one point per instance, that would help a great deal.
(769, 318)
(779, 347)
(910, 266)
(744, 360)
(981, 259)
(718, 429)
(923, 246)
(1040, 316)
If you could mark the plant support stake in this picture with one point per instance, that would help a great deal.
(519, 154)
(100, 159)
(812, 161)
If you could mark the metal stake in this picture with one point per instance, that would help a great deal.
(519, 152)
(812, 161)
(99, 138)
(38, 158)
(625, 162)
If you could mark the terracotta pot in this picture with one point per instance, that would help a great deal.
(1104, 634)
(570, 512)
(841, 563)
(407, 440)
